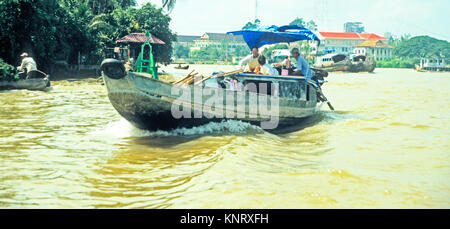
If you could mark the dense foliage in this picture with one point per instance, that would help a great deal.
(397, 63)
(309, 25)
(249, 25)
(408, 51)
(422, 46)
(71, 29)
(267, 52)
(7, 72)
(220, 53)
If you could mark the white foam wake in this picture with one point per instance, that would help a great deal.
(123, 128)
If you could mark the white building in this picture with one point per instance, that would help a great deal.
(376, 48)
(218, 40)
(343, 42)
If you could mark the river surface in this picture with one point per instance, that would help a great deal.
(386, 146)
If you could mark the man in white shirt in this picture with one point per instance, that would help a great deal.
(266, 69)
(28, 63)
(251, 61)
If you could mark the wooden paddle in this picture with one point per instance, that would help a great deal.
(323, 98)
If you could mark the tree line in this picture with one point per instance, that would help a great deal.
(53, 30)
(224, 52)
(408, 51)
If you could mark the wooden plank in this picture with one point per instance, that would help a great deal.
(220, 75)
(184, 78)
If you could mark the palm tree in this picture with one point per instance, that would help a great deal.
(169, 4)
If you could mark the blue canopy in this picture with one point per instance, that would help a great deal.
(259, 36)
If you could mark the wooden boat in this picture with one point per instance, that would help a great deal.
(339, 62)
(272, 101)
(147, 102)
(332, 62)
(361, 63)
(182, 67)
(35, 80)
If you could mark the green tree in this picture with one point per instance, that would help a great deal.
(422, 46)
(311, 25)
(169, 4)
(66, 29)
(31, 26)
(268, 51)
(249, 25)
(300, 22)
(107, 6)
(181, 51)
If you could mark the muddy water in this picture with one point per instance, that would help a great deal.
(386, 146)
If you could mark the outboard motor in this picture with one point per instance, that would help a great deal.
(319, 75)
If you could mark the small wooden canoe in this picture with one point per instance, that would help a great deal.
(182, 67)
(35, 80)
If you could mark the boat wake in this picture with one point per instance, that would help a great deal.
(123, 129)
(333, 116)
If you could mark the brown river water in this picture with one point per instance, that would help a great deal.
(387, 145)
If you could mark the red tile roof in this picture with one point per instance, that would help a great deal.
(351, 35)
(371, 36)
(139, 38)
(339, 35)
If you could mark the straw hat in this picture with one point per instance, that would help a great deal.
(24, 54)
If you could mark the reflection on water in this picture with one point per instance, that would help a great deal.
(387, 146)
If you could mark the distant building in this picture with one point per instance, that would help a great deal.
(343, 42)
(353, 27)
(218, 40)
(186, 40)
(376, 48)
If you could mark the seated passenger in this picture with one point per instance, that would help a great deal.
(302, 66)
(251, 61)
(265, 69)
(286, 64)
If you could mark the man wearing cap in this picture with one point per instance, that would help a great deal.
(302, 66)
(28, 63)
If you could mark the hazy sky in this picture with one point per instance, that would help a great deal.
(416, 17)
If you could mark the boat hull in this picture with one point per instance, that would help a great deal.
(149, 104)
(29, 84)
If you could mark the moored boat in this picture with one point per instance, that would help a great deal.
(332, 62)
(432, 65)
(361, 63)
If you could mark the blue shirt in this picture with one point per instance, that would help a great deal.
(303, 67)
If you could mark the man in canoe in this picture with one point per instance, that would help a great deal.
(27, 65)
(302, 66)
(251, 61)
